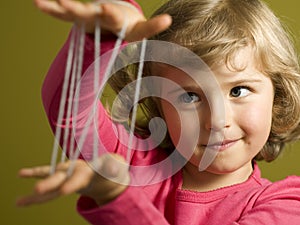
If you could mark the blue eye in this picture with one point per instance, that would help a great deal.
(240, 91)
(189, 97)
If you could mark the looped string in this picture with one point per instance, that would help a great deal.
(96, 80)
(78, 77)
(136, 98)
(75, 77)
(94, 113)
(74, 64)
(62, 103)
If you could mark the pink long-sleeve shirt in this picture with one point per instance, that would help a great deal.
(255, 201)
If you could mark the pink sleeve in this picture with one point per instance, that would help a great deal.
(279, 203)
(132, 207)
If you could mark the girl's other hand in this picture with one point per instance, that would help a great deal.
(103, 185)
(112, 17)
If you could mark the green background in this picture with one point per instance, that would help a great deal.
(29, 41)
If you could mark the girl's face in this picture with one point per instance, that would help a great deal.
(233, 124)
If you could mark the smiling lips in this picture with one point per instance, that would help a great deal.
(221, 146)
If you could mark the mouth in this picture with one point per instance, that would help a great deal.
(221, 146)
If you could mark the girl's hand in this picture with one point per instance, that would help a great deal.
(103, 185)
(112, 17)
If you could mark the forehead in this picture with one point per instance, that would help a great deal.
(240, 59)
(243, 62)
(175, 80)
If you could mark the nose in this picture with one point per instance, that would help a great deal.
(218, 115)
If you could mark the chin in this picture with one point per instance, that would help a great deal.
(219, 169)
(219, 165)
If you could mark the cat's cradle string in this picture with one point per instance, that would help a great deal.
(69, 103)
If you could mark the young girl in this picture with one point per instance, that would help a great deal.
(250, 115)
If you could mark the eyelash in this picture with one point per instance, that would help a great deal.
(239, 88)
(190, 95)
(187, 97)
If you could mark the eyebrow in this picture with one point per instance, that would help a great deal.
(188, 88)
(237, 82)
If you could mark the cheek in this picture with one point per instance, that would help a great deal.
(172, 120)
(183, 127)
(256, 121)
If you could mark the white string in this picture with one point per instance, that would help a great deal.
(96, 81)
(136, 98)
(76, 72)
(78, 76)
(113, 57)
(70, 96)
(62, 103)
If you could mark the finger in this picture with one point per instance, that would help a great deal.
(35, 172)
(51, 183)
(149, 28)
(35, 198)
(113, 167)
(79, 180)
(80, 10)
(113, 16)
(64, 166)
(52, 8)
(110, 167)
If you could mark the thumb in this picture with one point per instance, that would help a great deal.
(113, 167)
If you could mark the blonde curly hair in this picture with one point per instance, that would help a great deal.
(215, 30)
